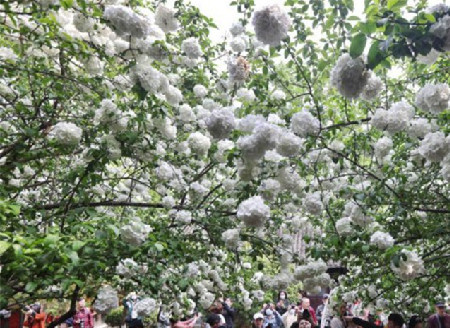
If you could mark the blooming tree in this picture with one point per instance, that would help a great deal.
(137, 154)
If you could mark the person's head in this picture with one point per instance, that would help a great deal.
(258, 319)
(305, 303)
(415, 322)
(229, 301)
(395, 320)
(325, 298)
(282, 295)
(81, 303)
(440, 308)
(213, 320)
(269, 313)
(343, 309)
(301, 294)
(36, 308)
(304, 324)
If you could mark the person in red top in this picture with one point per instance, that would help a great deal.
(35, 317)
(306, 306)
(440, 319)
(83, 318)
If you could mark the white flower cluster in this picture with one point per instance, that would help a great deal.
(145, 307)
(430, 58)
(126, 22)
(191, 48)
(246, 94)
(127, 268)
(344, 226)
(199, 143)
(206, 299)
(382, 240)
(372, 87)
(106, 300)
(433, 98)
(269, 189)
(135, 232)
(237, 29)
(289, 144)
(434, 147)
(253, 212)
(264, 137)
(290, 180)
(200, 91)
(238, 69)
(382, 147)
(65, 133)
(441, 29)
(420, 127)
(7, 54)
(183, 216)
(396, 119)
(221, 123)
(356, 214)
(310, 270)
(410, 265)
(271, 24)
(349, 76)
(231, 238)
(165, 18)
(313, 203)
(304, 123)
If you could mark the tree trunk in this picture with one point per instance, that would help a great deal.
(72, 311)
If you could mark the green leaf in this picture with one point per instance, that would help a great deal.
(73, 257)
(77, 244)
(395, 5)
(375, 55)
(358, 45)
(4, 245)
(159, 247)
(30, 286)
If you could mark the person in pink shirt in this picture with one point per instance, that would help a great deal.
(83, 318)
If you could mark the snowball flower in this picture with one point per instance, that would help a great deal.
(269, 189)
(441, 29)
(238, 44)
(382, 240)
(420, 127)
(221, 123)
(289, 144)
(372, 87)
(343, 226)
(173, 95)
(135, 233)
(231, 238)
(349, 76)
(253, 212)
(7, 54)
(191, 48)
(264, 137)
(271, 25)
(65, 133)
(199, 143)
(434, 147)
(246, 94)
(313, 203)
(278, 95)
(237, 28)
(165, 19)
(304, 123)
(126, 22)
(126, 267)
(433, 98)
(145, 307)
(430, 58)
(106, 300)
(410, 265)
(200, 91)
(395, 119)
(382, 147)
(183, 216)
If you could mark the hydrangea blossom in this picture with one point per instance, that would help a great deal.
(199, 143)
(410, 265)
(372, 87)
(304, 123)
(237, 29)
(7, 54)
(434, 147)
(191, 48)
(246, 94)
(278, 95)
(313, 203)
(382, 240)
(145, 307)
(183, 216)
(394, 120)
(165, 19)
(127, 268)
(433, 98)
(173, 95)
(238, 44)
(441, 29)
(264, 137)
(420, 127)
(135, 232)
(200, 91)
(221, 123)
(66, 133)
(289, 144)
(269, 189)
(344, 226)
(430, 58)
(349, 76)
(126, 22)
(231, 238)
(382, 147)
(106, 300)
(271, 24)
(253, 212)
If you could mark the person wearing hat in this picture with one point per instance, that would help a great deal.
(320, 308)
(440, 319)
(83, 318)
(258, 320)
